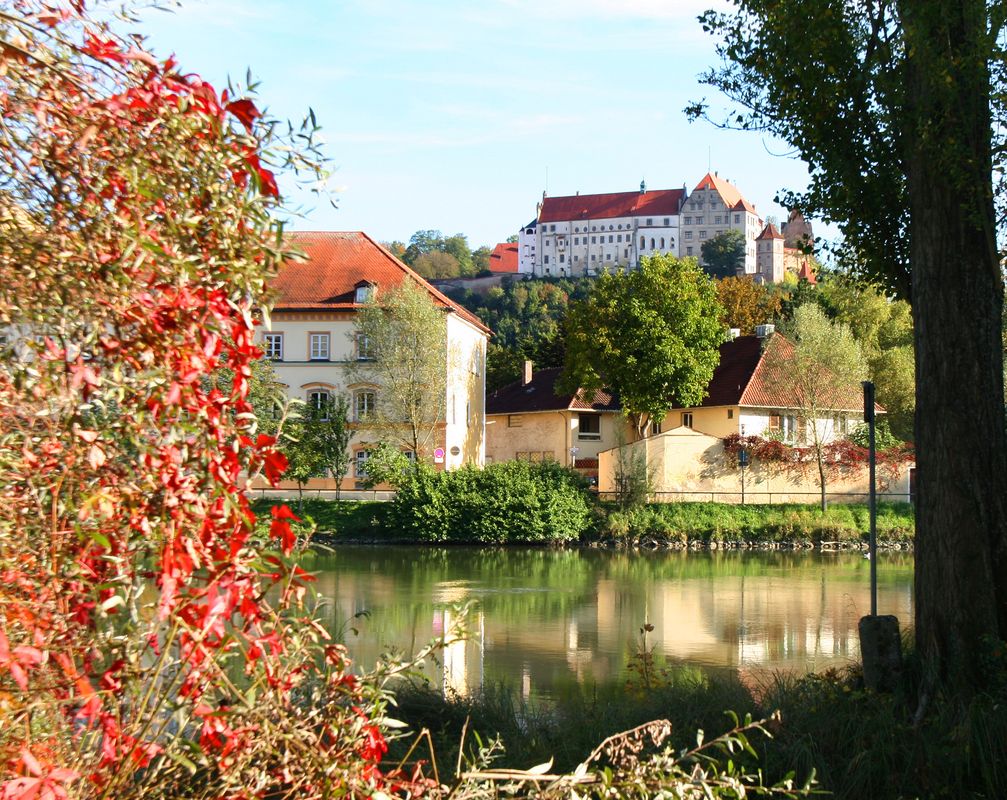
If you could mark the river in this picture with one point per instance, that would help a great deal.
(543, 618)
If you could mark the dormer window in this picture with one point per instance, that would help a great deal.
(363, 294)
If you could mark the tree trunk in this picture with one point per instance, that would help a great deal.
(821, 477)
(957, 300)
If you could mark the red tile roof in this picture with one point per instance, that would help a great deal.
(541, 395)
(806, 273)
(335, 263)
(770, 232)
(504, 258)
(728, 192)
(661, 202)
(742, 378)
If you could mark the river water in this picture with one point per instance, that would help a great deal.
(540, 618)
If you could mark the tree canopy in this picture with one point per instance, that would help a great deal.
(723, 253)
(891, 105)
(652, 335)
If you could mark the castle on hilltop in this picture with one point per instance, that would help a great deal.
(583, 234)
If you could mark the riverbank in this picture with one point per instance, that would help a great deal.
(858, 744)
(713, 526)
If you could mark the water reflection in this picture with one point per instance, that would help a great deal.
(542, 618)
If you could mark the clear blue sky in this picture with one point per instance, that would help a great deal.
(450, 114)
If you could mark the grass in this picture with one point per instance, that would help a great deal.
(345, 519)
(859, 744)
(785, 523)
(675, 523)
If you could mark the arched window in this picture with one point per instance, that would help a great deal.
(643, 243)
(652, 247)
(662, 243)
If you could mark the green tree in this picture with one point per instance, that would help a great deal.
(331, 434)
(819, 367)
(437, 264)
(747, 303)
(298, 442)
(457, 247)
(891, 104)
(651, 334)
(422, 242)
(724, 253)
(481, 259)
(407, 335)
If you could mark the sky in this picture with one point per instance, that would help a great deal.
(456, 115)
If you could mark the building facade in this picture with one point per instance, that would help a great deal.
(716, 206)
(311, 338)
(527, 241)
(584, 234)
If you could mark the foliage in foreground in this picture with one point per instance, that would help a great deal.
(148, 646)
(508, 502)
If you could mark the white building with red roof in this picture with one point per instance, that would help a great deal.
(715, 206)
(310, 337)
(584, 234)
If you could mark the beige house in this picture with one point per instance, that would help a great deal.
(311, 339)
(686, 457)
(532, 420)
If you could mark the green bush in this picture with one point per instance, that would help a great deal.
(509, 502)
(782, 524)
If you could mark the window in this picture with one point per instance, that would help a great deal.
(360, 463)
(730, 413)
(652, 245)
(655, 429)
(272, 346)
(643, 243)
(737, 219)
(775, 422)
(667, 221)
(363, 294)
(562, 258)
(688, 251)
(320, 400)
(702, 234)
(687, 419)
(662, 243)
(589, 426)
(513, 420)
(608, 256)
(363, 404)
(688, 235)
(594, 240)
(593, 257)
(688, 220)
(716, 220)
(625, 252)
(552, 229)
(365, 350)
(650, 221)
(319, 347)
(611, 239)
(699, 220)
(576, 240)
(545, 259)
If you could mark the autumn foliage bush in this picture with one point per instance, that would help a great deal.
(146, 648)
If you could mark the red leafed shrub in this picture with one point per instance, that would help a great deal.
(147, 645)
(841, 456)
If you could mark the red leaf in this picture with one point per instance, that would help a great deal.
(245, 111)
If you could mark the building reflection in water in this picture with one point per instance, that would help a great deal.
(540, 619)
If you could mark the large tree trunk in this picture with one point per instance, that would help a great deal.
(957, 299)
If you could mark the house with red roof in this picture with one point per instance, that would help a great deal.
(583, 234)
(716, 205)
(533, 420)
(686, 454)
(311, 339)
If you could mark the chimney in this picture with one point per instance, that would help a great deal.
(526, 373)
(643, 187)
(735, 333)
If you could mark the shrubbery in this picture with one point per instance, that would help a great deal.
(509, 502)
(681, 523)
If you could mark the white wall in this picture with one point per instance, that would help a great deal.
(585, 247)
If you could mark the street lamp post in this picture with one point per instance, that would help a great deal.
(743, 462)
